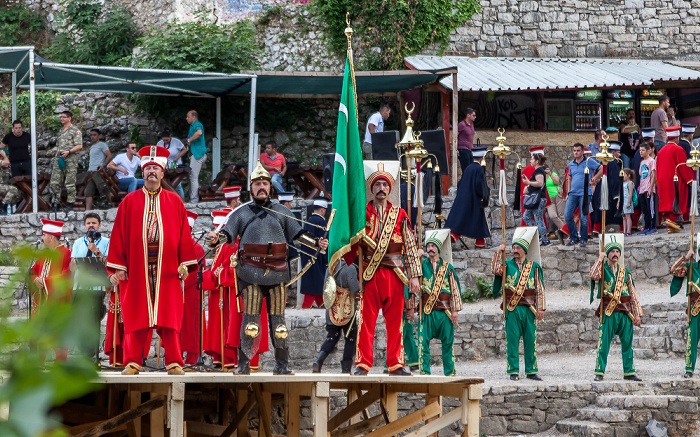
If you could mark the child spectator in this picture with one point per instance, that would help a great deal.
(647, 183)
(628, 201)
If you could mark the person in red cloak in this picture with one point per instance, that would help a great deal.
(52, 279)
(666, 168)
(189, 335)
(151, 254)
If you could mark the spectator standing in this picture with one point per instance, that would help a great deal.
(557, 206)
(177, 150)
(575, 195)
(17, 145)
(125, 165)
(647, 185)
(375, 124)
(465, 138)
(100, 156)
(536, 184)
(627, 202)
(659, 121)
(198, 147)
(65, 164)
(275, 164)
(671, 116)
(629, 135)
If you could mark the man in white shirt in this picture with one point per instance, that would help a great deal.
(125, 166)
(375, 124)
(177, 150)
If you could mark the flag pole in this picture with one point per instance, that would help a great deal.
(604, 157)
(694, 163)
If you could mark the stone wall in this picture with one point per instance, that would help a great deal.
(647, 29)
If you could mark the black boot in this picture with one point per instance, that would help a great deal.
(346, 366)
(243, 364)
(281, 362)
(319, 361)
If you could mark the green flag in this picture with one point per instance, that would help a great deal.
(348, 176)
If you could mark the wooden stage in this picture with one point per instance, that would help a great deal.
(153, 404)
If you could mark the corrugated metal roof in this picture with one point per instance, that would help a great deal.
(522, 74)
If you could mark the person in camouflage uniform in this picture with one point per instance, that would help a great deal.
(9, 194)
(65, 164)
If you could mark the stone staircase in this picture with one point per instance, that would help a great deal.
(627, 415)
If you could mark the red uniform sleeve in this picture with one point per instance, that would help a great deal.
(685, 174)
(185, 254)
(116, 258)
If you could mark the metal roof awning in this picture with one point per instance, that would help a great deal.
(551, 74)
(299, 84)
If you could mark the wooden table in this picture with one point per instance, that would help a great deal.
(173, 177)
(24, 184)
(309, 179)
(167, 396)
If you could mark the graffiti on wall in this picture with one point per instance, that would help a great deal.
(515, 111)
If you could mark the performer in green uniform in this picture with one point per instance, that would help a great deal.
(441, 301)
(619, 304)
(523, 303)
(679, 270)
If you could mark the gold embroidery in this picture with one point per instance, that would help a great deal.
(521, 286)
(383, 244)
(437, 286)
(617, 291)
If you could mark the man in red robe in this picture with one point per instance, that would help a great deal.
(51, 277)
(189, 335)
(220, 281)
(151, 246)
(666, 167)
(390, 228)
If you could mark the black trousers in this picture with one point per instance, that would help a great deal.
(645, 203)
(334, 333)
(465, 157)
(21, 168)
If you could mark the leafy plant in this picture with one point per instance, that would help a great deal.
(23, 345)
(94, 34)
(393, 29)
(18, 23)
(483, 289)
(199, 45)
(45, 106)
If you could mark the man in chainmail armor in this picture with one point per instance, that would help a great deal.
(264, 229)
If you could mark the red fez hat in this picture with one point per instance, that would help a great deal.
(154, 155)
(52, 227)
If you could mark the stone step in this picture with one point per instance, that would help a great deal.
(604, 415)
(585, 428)
(656, 402)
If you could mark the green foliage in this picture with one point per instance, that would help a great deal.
(94, 34)
(34, 392)
(483, 289)
(199, 45)
(397, 28)
(135, 136)
(269, 14)
(17, 23)
(46, 102)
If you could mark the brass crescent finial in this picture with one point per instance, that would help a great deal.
(606, 137)
(348, 30)
(347, 18)
(410, 111)
(501, 131)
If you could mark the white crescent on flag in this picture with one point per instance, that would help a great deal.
(340, 160)
(344, 110)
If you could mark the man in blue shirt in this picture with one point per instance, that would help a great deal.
(575, 194)
(198, 147)
(90, 245)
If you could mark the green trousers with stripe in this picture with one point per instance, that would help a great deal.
(618, 324)
(691, 343)
(436, 325)
(521, 323)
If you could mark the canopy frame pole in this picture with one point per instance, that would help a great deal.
(252, 158)
(455, 122)
(216, 143)
(32, 117)
(14, 95)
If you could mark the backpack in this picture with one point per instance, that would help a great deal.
(635, 200)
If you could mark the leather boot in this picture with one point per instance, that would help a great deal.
(319, 361)
(346, 366)
(281, 362)
(243, 364)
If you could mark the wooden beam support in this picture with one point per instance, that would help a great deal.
(176, 409)
(319, 408)
(409, 420)
(354, 408)
(263, 411)
(134, 426)
(360, 428)
(437, 425)
(429, 399)
(292, 410)
(241, 417)
(125, 417)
